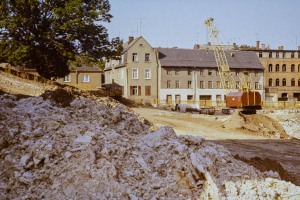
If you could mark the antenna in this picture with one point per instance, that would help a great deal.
(141, 24)
(197, 37)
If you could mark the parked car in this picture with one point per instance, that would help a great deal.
(194, 108)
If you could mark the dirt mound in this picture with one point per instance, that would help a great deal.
(101, 150)
(257, 124)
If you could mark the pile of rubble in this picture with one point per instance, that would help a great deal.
(90, 149)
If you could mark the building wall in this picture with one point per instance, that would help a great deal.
(141, 48)
(195, 76)
(273, 93)
(94, 78)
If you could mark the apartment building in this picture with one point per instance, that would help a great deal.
(192, 74)
(282, 72)
(136, 71)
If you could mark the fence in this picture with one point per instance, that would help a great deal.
(217, 104)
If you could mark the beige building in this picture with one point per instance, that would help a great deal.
(85, 77)
(192, 74)
(136, 71)
(282, 73)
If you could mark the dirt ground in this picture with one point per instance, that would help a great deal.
(257, 146)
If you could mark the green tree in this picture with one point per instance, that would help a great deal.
(49, 34)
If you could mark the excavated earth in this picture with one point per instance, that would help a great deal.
(61, 145)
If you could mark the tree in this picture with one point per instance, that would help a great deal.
(49, 34)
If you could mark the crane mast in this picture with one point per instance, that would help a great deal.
(237, 95)
(227, 80)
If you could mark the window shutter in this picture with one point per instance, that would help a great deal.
(131, 90)
(140, 90)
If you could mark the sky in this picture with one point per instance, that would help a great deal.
(180, 23)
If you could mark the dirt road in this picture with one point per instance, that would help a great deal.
(239, 142)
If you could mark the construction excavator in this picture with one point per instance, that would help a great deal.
(240, 96)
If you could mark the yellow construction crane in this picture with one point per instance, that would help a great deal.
(237, 95)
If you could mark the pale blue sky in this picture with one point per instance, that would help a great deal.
(168, 23)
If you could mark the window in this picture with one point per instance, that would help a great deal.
(210, 84)
(190, 97)
(177, 71)
(260, 54)
(270, 82)
(210, 72)
(270, 54)
(277, 82)
(135, 74)
(85, 78)
(135, 90)
(299, 68)
(277, 54)
(169, 99)
(256, 86)
(219, 84)
(292, 55)
(169, 72)
(147, 74)
(147, 57)
(202, 84)
(219, 98)
(284, 82)
(293, 82)
(135, 57)
(189, 84)
(283, 68)
(292, 68)
(147, 90)
(270, 67)
(177, 98)
(168, 84)
(189, 72)
(277, 68)
(67, 78)
(226, 84)
(177, 84)
(201, 72)
(299, 82)
(283, 54)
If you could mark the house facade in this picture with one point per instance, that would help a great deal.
(85, 77)
(136, 71)
(282, 73)
(192, 74)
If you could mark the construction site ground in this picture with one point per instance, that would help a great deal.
(262, 151)
(258, 140)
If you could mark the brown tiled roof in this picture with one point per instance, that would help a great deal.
(174, 57)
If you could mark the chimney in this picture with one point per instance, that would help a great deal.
(130, 39)
(234, 46)
(263, 46)
(280, 47)
(298, 48)
(257, 45)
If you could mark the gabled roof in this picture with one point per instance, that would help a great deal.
(174, 57)
(127, 46)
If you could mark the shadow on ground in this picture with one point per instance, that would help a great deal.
(282, 156)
